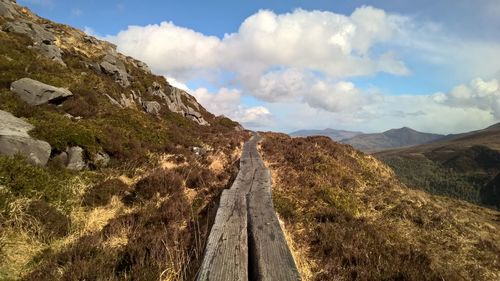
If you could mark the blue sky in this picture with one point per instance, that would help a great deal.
(286, 65)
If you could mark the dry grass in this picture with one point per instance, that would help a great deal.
(352, 220)
(153, 229)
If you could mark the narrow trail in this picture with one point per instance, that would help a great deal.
(246, 241)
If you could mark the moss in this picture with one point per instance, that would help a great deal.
(62, 132)
(285, 206)
(24, 179)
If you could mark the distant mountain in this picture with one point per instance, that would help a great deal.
(336, 135)
(465, 166)
(390, 139)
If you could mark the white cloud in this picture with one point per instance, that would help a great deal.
(178, 84)
(332, 43)
(302, 62)
(338, 97)
(479, 94)
(227, 102)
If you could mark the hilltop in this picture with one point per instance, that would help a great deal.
(390, 139)
(336, 135)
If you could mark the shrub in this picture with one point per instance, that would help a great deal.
(161, 181)
(24, 179)
(100, 194)
(53, 223)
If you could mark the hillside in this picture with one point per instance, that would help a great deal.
(462, 166)
(349, 218)
(336, 135)
(390, 139)
(107, 172)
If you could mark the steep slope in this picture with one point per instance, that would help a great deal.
(127, 167)
(460, 166)
(390, 139)
(348, 218)
(336, 135)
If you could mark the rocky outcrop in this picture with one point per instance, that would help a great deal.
(113, 66)
(75, 158)
(7, 9)
(14, 139)
(152, 107)
(35, 93)
(41, 35)
(175, 102)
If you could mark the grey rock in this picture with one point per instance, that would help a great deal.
(190, 111)
(127, 101)
(35, 93)
(43, 38)
(91, 40)
(143, 66)
(14, 139)
(113, 101)
(75, 159)
(199, 151)
(175, 102)
(94, 66)
(36, 152)
(113, 66)
(7, 9)
(50, 51)
(101, 159)
(152, 107)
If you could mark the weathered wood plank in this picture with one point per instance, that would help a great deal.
(270, 257)
(246, 241)
(226, 254)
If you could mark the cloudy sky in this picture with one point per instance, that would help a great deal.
(433, 65)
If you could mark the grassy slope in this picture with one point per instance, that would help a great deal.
(349, 218)
(144, 216)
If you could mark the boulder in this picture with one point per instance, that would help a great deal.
(75, 158)
(113, 66)
(152, 107)
(35, 93)
(14, 139)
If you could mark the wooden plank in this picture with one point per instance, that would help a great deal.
(226, 254)
(270, 257)
(246, 241)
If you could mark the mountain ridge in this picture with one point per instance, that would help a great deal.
(334, 134)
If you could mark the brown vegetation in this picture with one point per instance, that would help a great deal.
(349, 217)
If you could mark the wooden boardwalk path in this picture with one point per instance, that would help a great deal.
(246, 241)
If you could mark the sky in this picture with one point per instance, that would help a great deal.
(432, 65)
